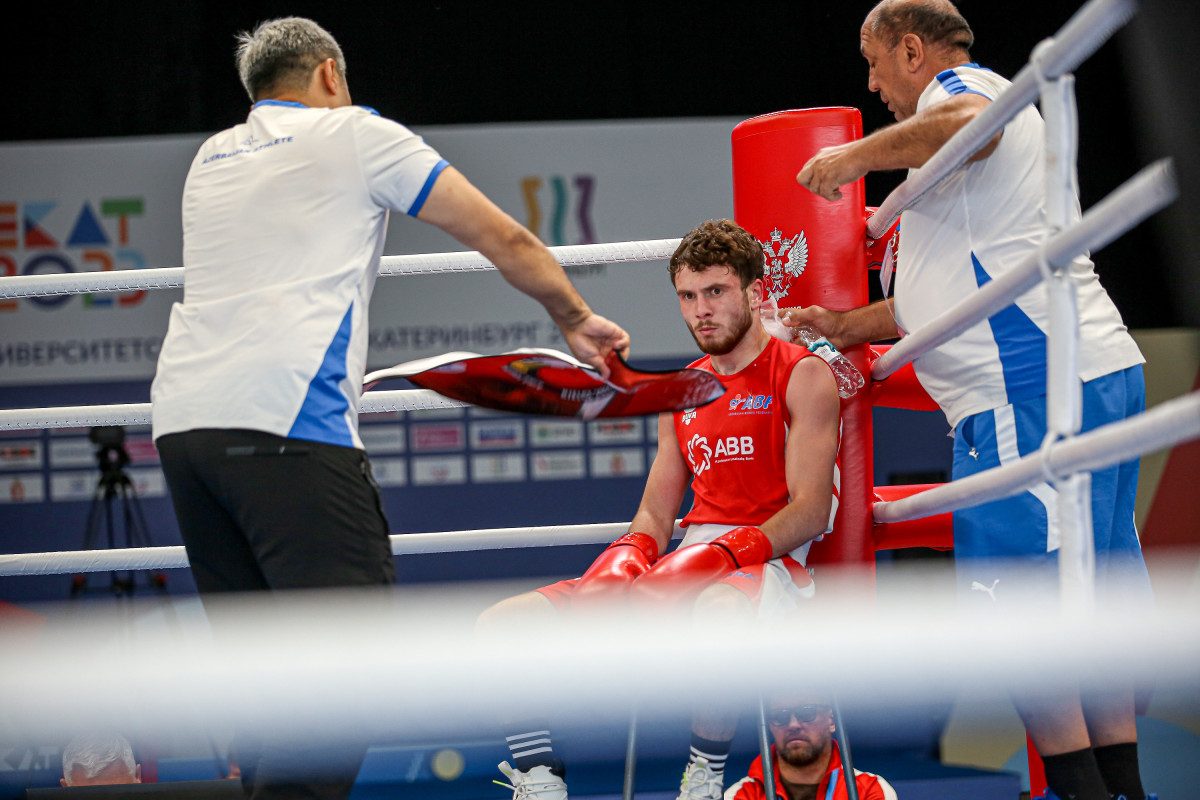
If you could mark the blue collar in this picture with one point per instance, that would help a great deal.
(288, 103)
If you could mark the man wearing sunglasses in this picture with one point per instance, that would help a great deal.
(806, 760)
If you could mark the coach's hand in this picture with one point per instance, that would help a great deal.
(593, 339)
(830, 169)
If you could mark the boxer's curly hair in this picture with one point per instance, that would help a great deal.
(720, 242)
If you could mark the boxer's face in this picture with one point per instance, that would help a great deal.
(715, 306)
(887, 74)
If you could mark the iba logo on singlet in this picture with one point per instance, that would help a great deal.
(760, 403)
(701, 456)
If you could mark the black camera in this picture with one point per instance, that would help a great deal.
(107, 435)
(110, 450)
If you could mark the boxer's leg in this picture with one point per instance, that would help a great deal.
(537, 773)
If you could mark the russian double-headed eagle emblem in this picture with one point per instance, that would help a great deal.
(777, 268)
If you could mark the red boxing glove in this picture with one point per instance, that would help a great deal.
(681, 575)
(618, 566)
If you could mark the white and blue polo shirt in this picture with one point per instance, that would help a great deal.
(981, 222)
(284, 218)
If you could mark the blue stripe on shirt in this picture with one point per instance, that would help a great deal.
(953, 84)
(322, 416)
(422, 195)
(1022, 346)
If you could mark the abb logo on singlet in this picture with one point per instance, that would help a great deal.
(701, 456)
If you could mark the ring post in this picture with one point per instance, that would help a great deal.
(815, 254)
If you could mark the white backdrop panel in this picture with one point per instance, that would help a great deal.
(90, 205)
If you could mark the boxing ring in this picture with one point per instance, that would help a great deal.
(443, 673)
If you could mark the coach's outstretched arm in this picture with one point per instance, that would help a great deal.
(464, 212)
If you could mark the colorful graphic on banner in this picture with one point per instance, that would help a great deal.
(560, 191)
(36, 239)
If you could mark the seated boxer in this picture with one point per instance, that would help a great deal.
(761, 464)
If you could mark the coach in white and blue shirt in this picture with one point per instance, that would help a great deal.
(986, 218)
(255, 400)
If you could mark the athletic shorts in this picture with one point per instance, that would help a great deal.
(773, 588)
(1016, 539)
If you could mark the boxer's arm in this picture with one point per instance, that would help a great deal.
(903, 145)
(633, 554)
(812, 401)
(464, 212)
(665, 487)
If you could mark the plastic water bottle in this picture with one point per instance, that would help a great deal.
(849, 379)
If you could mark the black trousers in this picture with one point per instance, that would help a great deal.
(262, 512)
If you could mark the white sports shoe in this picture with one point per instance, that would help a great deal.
(537, 784)
(701, 783)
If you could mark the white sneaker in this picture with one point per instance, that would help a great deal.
(701, 783)
(537, 784)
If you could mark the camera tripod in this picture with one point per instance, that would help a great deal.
(115, 484)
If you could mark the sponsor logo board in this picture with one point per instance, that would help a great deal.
(390, 471)
(21, 454)
(618, 462)
(495, 467)
(433, 436)
(556, 433)
(436, 470)
(383, 438)
(26, 487)
(558, 465)
(501, 433)
(616, 431)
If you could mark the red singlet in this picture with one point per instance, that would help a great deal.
(735, 445)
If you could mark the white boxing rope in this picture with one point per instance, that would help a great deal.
(13, 419)
(419, 264)
(576, 255)
(415, 665)
(1165, 425)
(1083, 34)
(1149, 191)
(174, 557)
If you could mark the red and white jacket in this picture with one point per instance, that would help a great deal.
(832, 787)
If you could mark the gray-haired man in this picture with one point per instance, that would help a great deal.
(256, 395)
